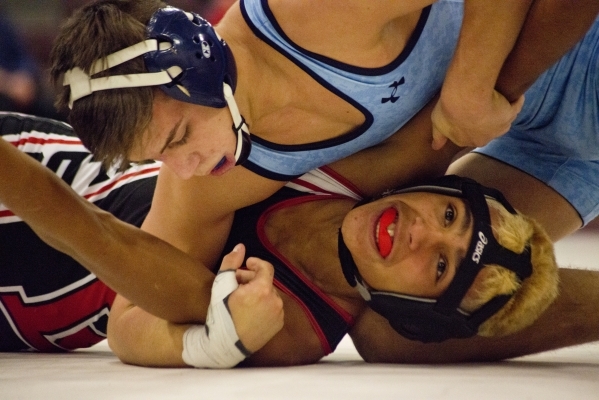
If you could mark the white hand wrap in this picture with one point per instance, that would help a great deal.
(216, 344)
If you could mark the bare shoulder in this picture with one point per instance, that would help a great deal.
(357, 32)
(334, 10)
(195, 214)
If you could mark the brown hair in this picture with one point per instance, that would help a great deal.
(108, 122)
(532, 296)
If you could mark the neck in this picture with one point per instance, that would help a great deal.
(251, 75)
(306, 235)
(270, 92)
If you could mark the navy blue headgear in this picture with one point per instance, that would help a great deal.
(206, 61)
(185, 57)
(436, 320)
(205, 58)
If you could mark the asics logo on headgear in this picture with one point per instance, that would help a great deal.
(480, 247)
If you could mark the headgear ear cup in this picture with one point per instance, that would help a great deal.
(185, 57)
(419, 320)
(206, 60)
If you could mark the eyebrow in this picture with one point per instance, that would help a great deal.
(466, 222)
(171, 135)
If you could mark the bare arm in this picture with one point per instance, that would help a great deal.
(150, 272)
(140, 338)
(128, 260)
(470, 112)
(527, 194)
(195, 215)
(551, 29)
(572, 319)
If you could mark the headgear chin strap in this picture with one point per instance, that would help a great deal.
(186, 57)
(436, 320)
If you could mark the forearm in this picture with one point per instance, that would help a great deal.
(489, 30)
(155, 275)
(470, 111)
(404, 158)
(572, 319)
(245, 312)
(139, 338)
(551, 28)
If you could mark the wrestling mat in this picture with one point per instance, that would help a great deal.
(96, 373)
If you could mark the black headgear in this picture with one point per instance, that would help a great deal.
(436, 320)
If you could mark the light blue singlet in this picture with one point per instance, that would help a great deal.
(388, 96)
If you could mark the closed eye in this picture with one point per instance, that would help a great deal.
(181, 141)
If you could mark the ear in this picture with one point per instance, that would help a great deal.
(490, 281)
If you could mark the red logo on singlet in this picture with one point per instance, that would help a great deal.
(65, 320)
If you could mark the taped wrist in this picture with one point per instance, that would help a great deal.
(216, 344)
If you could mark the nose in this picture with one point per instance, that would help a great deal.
(183, 165)
(423, 234)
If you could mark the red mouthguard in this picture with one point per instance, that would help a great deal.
(384, 240)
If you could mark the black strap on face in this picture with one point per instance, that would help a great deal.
(348, 265)
(483, 249)
(435, 320)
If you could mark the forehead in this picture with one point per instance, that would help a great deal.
(151, 139)
(425, 197)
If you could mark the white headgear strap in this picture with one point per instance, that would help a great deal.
(82, 84)
(239, 125)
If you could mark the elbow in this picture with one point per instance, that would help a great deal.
(118, 331)
(115, 340)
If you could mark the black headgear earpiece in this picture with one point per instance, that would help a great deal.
(436, 320)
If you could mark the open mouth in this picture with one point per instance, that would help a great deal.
(385, 231)
(220, 164)
(224, 165)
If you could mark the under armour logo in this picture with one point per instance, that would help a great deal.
(393, 98)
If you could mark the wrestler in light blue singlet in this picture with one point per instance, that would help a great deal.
(387, 96)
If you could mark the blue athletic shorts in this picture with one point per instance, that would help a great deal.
(556, 136)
